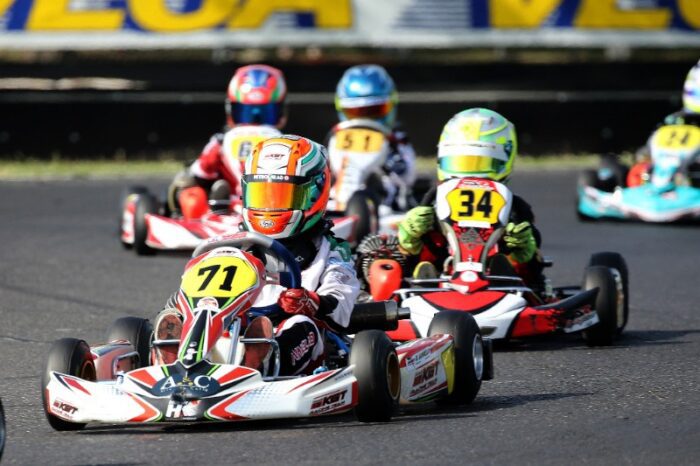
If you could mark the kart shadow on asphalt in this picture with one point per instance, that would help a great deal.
(630, 338)
(405, 414)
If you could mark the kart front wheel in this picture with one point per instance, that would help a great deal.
(145, 204)
(124, 197)
(378, 376)
(72, 357)
(136, 331)
(469, 361)
(604, 332)
(617, 264)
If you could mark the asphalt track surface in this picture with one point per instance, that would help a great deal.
(553, 401)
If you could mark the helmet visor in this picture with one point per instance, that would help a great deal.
(371, 111)
(263, 114)
(470, 164)
(264, 192)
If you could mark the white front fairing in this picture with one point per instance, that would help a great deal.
(494, 322)
(427, 368)
(126, 401)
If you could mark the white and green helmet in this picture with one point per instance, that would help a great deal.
(477, 142)
(691, 90)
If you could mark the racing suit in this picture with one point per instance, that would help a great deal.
(328, 270)
(399, 170)
(435, 246)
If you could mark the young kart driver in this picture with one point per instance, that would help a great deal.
(688, 115)
(474, 143)
(286, 184)
(367, 92)
(255, 106)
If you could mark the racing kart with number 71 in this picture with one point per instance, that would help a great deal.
(478, 279)
(122, 382)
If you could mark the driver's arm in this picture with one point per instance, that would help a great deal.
(338, 290)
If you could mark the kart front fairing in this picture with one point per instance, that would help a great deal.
(646, 202)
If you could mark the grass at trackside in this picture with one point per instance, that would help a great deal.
(33, 169)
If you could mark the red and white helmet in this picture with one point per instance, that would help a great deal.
(256, 96)
(286, 185)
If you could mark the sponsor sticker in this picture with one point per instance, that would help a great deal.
(330, 402)
(63, 408)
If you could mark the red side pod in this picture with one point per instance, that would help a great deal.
(384, 278)
(193, 202)
(405, 332)
(532, 322)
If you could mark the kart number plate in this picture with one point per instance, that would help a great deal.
(676, 137)
(219, 277)
(359, 140)
(475, 204)
(240, 148)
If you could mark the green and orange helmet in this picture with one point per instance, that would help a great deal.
(256, 96)
(477, 143)
(286, 184)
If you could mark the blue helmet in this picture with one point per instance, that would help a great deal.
(367, 91)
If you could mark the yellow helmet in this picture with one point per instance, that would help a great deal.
(477, 142)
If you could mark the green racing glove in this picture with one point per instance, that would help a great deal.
(417, 222)
(521, 242)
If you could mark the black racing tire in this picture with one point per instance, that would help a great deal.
(378, 376)
(604, 332)
(72, 357)
(123, 197)
(3, 430)
(469, 353)
(616, 262)
(363, 205)
(136, 331)
(618, 173)
(145, 204)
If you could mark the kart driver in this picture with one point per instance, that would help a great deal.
(367, 92)
(255, 106)
(494, 136)
(285, 187)
(688, 115)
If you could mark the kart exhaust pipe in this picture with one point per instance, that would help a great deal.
(380, 315)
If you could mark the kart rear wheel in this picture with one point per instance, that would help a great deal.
(136, 331)
(378, 376)
(469, 353)
(604, 332)
(363, 205)
(72, 357)
(145, 204)
(617, 264)
(123, 198)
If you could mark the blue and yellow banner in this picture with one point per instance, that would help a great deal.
(364, 22)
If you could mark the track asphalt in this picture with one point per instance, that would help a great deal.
(553, 401)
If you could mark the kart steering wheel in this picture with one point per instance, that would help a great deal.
(289, 273)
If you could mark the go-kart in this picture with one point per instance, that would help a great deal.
(478, 279)
(665, 190)
(122, 382)
(358, 152)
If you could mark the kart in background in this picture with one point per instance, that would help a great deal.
(357, 155)
(118, 382)
(479, 280)
(663, 189)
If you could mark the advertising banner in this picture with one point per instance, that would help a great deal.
(105, 24)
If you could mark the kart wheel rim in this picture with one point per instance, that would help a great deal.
(478, 357)
(393, 375)
(87, 371)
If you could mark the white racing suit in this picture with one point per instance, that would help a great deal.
(332, 276)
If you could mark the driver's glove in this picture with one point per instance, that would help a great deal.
(417, 222)
(299, 301)
(521, 242)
